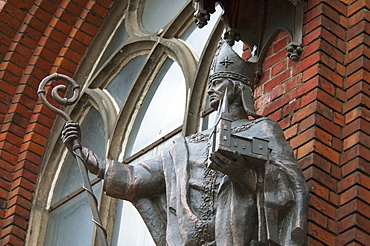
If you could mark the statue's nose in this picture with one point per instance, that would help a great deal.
(210, 91)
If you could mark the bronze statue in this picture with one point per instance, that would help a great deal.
(235, 184)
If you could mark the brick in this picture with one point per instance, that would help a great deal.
(319, 190)
(306, 63)
(305, 149)
(14, 230)
(284, 123)
(89, 29)
(8, 158)
(356, 6)
(279, 67)
(359, 87)
(16, 220)
(357, 112)
(358, 64)
(313, 172)
(356, 151)
(24, 183)
(17, 210)
(358, 17)
(276, 80)
(332, 226)
(354, 206)
(302, 138)
(277, 91)
(291, 107)
(356, 30)
(25, 174)
(323, 206)
(331, 76)
(334, 198)
(9, 147)
(304, 113)
(331, 52)
(361, 39)
(357, 164)
(11, 240)
(93, 19)
(30, 156)
(321, 234)
(350, 235)
(293, 82)
(71, 55)
(355, 178)
(313, 241)
(19, 201)
(354, 219)
(32, 146)
(337, 144)
(357, 52)
(324, 110)
(317, 217)
(273, 59)
(358, 100)
(28, 166)
(323, 136)
(356, 138)
(353, 193)
(308, 98)
(338, 6)
(329, 100)
(291, 131)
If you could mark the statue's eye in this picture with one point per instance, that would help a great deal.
(217, 82)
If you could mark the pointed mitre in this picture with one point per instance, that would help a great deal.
(228, 64)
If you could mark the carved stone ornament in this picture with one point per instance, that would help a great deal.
(296, 2)
(294, 51)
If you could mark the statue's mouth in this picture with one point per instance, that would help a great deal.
(213, 97)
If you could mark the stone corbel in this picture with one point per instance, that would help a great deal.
(294, 51)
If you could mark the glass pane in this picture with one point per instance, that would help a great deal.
(93, 137)
(71, 223)
(162, 110)
(129, 227)
(119, 37)
(158, 13)
(238, 48)
(121, 84)
(208, 121)
(196, 37)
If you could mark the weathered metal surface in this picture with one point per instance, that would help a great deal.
(235, 184)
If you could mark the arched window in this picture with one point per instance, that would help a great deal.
(145, 87)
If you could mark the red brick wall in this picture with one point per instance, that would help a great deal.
(37, 38)
(321, 102)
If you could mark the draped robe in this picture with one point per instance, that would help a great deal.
(185, 203)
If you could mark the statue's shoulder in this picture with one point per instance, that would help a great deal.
(199, 136)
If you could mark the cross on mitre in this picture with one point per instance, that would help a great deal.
(226, 62)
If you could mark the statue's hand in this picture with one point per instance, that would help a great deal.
(71, 131)
(235, 167)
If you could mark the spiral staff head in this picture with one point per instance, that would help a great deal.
(77, 152)
(54, 93)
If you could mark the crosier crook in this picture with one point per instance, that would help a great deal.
(77, 151)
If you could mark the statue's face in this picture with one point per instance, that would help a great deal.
(216, 90)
